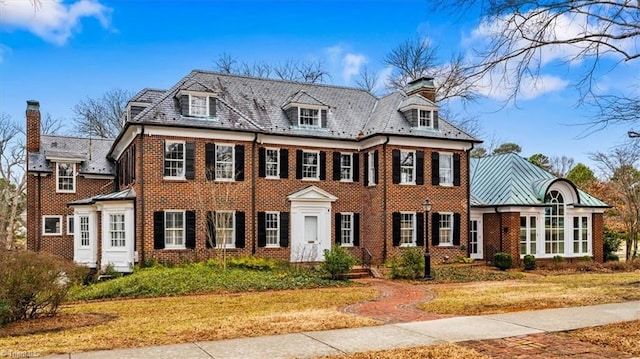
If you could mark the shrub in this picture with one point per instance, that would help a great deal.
(409, 266)
(611, 244)
(502, 261)
(529, 262)
(558, 259)
(337, 262)
(612, 257)
(34, 284)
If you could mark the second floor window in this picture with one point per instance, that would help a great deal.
(272, 163)
(407, 166)
(310, 165)
(371, 168)
(346, 167)
(224, 162)
(446, 169)
(66, 174)
(174, 160)
(309, 117)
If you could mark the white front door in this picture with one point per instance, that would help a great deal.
(85, 245)
(475, 238)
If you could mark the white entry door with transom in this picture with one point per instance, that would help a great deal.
(475, 238)
(310, 224)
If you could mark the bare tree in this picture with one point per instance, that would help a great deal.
(102, 117)
(560, 166)
(522, 34)
(367, 80)
(12, 182)
(620, 166)
(226, 64)
(51, 126)
(290, 70)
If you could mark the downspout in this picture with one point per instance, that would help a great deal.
(384, 199)
(39, 215)
(142, 210)
(253, 192)
(469, 198)
(500, 217)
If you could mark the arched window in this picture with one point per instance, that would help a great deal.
(554, 223)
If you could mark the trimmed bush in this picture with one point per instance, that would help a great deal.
(337, 262)
(34, 284)
(409, 266)
(558, 259)
(502, 261)
(529, 262)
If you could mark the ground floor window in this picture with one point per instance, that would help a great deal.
(581, 235)
(446, 228)
(52, 225)
(272, 222)
(407, 228)
(117, 234)
(346, 229)
(174, 229)
(225, 229)
(84, 231)
(528, 235)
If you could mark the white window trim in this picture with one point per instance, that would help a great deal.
(233, 162)
(89, 230)
(73, 177)
(413, 167)
(184, 230)
(233, 231)
(124, 229)
(70, 228)
(277, 162)
(206, 105)
(350, 179)
(59, 233)
(413, 233)
(184, 160)
(317, 177)
(528, 216)
(268, 245)
(319, 118)
(451, 220)
(589, 238)
(431, 115)
(350, 244)
(450, 155)
(372, 169)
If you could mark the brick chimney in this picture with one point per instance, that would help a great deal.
(33, 126)
(423, 86)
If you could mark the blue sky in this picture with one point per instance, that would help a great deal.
(69, 50)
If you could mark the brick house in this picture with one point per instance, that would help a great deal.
(254, 166)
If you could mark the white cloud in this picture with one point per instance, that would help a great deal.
(52, 20)
(345, 62)
(352, 64)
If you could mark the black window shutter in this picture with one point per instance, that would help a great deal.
(338, 228)
(436, 120)
(375, 167)
(240, 229)
(284, 229)
(184, 105)
(435, 168)
(262, 229)
(190, 229)
(284, 163)
(419, 229)
(456, 229)
(211, 229)
(395, 220)
(239, 162)
(366, 169)
(158, 230)
(190, 167)
(262, 162)
(323, 118)
(210, 160)
(323, 165)
(356, 229)
(356, 167)
(456, 169)
(435, 229)
(336, 166)
(299, 164)
(419, 167)
(212, 107)
(395, 165)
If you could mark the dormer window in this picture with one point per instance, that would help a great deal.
(197, 103)
(198, 106)
(425, 118)
(309, 117)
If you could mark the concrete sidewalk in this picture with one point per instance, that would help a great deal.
(335, 342)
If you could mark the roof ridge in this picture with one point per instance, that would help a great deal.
(77, 137)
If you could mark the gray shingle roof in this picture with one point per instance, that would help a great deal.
(93, 153)
(256, 104)
(126, 194)
(147, 95)
(510, 180)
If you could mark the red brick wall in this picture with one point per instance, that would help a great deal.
(597, 235)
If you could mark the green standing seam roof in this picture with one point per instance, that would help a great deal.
(510, 180)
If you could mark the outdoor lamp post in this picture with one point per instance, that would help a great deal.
(427, 256)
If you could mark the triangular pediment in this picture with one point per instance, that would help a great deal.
(303, 98)
(312, 194)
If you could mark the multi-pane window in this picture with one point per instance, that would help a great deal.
(407, 166)
(52, 225)
(425, 118)
(446, 228)
(310, 165)
(224, 229)
(174, 159)
(272, 163)
(272, 220)
(346, 166)
(581, 235)
(554, 223)
(407, 229)
(446, 168)
(372, 168)
(198, 106)
(309, 117)
(116, 230)
(65, 173)
(70, 224)
(346, 229)
(528, 235)
(174, 229)
(84, 231)
(473, 237)
(224, 162)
